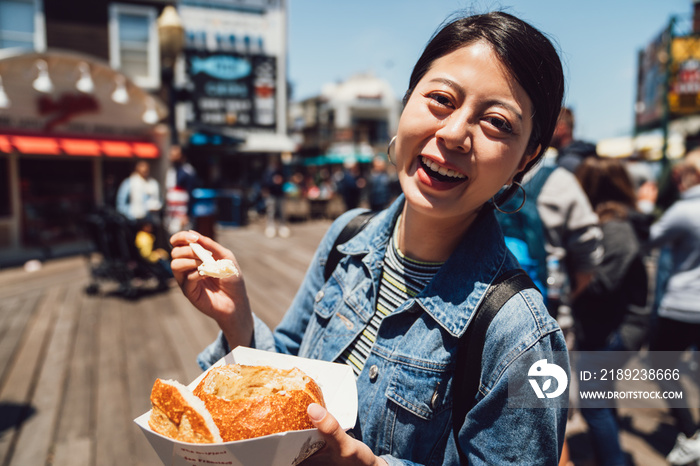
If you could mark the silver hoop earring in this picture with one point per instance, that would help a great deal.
(391, 149)
(522, 204)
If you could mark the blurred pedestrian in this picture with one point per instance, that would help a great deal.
(481, 107)
(379, 185)
(554, 233)
(350, 184)
(138, 196)
(273, 189)
(677, 327)
(611, 315)
(180, 180)
(571, 152)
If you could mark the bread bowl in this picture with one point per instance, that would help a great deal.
(177, 413)
(234, 402)
(252, 401)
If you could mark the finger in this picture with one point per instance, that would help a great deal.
(324, 421)
(182, 252)
(184, 264)
(183, 238)
(218, 251)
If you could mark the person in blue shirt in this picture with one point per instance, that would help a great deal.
(379, 185)
(480, 110)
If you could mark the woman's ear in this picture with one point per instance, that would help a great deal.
(526, 158)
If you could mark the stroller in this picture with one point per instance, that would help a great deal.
(113, 237)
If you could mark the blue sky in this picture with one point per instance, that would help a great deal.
(330, 40)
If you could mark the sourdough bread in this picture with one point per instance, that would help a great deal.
(252, 401)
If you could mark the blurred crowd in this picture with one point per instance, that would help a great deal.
(287, 192)
(630, 260)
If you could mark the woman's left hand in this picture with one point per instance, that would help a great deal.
(340, 448)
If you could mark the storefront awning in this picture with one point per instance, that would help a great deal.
(267, 142)
(646, 146)
(41, 145)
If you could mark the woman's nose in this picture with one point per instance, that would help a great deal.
(455, 133)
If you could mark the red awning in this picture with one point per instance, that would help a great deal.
(78, 147)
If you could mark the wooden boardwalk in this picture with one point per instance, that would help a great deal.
(75, 370)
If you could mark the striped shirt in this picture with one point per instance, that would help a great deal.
(402, 278)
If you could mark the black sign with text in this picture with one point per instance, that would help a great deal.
(231, 89)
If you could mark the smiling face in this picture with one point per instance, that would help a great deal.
(463, 134)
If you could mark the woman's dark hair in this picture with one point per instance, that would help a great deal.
(525, 51)
(608, 185)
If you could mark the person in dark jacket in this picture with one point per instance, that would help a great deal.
(611, 314)
(570, 152)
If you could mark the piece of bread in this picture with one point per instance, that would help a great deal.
(210, 267)
(252, 401)
(177, 413)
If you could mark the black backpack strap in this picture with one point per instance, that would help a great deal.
(471, 346)
(354, 226)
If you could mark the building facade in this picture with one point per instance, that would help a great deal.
(78, 107)
(84, 94)
(354, 118)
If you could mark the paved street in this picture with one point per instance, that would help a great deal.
(75, 369)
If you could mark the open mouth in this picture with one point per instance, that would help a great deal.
(439, 172)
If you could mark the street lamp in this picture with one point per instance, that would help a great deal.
(171, 35)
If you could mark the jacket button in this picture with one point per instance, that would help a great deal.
(434, 400)
(319, 296)
(373, 373)
(436, 397)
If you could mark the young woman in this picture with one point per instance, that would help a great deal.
(480, 110)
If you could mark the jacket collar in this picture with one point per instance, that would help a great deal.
(459, 286)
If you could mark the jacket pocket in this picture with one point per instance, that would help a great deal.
(419, 390)
(418, 425)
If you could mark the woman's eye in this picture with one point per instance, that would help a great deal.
(440, 99)
(500, 124)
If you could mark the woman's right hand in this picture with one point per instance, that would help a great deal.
(223, 299)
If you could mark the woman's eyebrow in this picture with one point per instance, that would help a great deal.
(451, 84)
(493, 102)
(506, 105)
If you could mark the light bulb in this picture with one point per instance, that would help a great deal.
(85, 83)
(4, 100)
(120, 94)
(43, 83)
(150, 116)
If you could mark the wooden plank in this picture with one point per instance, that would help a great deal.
(34, 443)
(203, 329)
(266, 305)
(150, 357)
(146, 332)
(75, 452)
(75, 426)
(8, 309)
(14, 329)
(183, 351)
(20, 381)
(52, 273)
(112, 425)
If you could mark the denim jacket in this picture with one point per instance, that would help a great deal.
(405, 389)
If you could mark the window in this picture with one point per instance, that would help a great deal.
(22, 24)
(133, 43)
